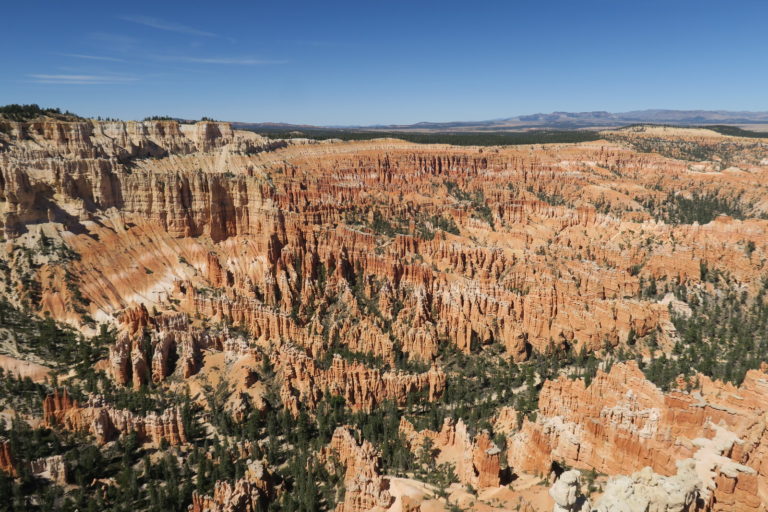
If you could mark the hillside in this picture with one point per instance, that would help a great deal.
(555, 121)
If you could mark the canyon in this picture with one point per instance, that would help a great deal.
(384, 325)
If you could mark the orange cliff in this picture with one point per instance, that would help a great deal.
(363, 388)
(260, 233)
(6, 458)
(247, 494)
(106, 423)
(390, 251)
(365, 487)
(477, 462)
(621, 423)
(151, 348)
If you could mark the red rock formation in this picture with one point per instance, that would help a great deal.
(507, 421)
(548, 274)
(136, 318)
(171, 341)
(6, 459)
(52, 468)
(245, 495)
(365, 488)
(106, 423)
(486, 461)
(477, 463)
(304, 381)
(294, 244)
(621, 423)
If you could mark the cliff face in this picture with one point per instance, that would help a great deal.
(56, 170)
(106, 423)
(361, 387)
(6, 458)
(365, 488)
(476, 461)
(622, 423)
(151, 348)
(160, 212)
(247, 494)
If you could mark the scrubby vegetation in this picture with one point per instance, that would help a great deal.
(735, 131)
(725, 336)
(55, 344)
(422, 225)
(15, 112)
(699, 207)
(724, 151)
(160, 118)
(454, 138)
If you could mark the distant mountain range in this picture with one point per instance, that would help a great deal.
(552, 121)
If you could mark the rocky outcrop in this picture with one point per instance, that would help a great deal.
(51, 468)
(365, 487)
(156, 347)
(408, 504)
(507, 420)
(6, 458)
(643, 491)
(477, 461)
(304, 381)
(106, 423)
(256, 232)
(567, 493)
(486, 464)
(621, 422)
(247, 494)
(646, 490)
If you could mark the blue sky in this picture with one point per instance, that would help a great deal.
(369, 62)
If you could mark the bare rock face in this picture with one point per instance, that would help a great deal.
(365, 487)
(648, 491)
(106, 423)
(6, 459)
(622, 422)
(507, 420)
(23, 369)
(477, 462)
(625, 405)
(51, 468)
(241, 229)
(567, 494)
(361, 387)
(486, 461)
(245, 495)
(409, 504)
(154, 347)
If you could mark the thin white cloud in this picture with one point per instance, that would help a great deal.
(81, 79)
(235, 61)
(90, 57)
(168, 26)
